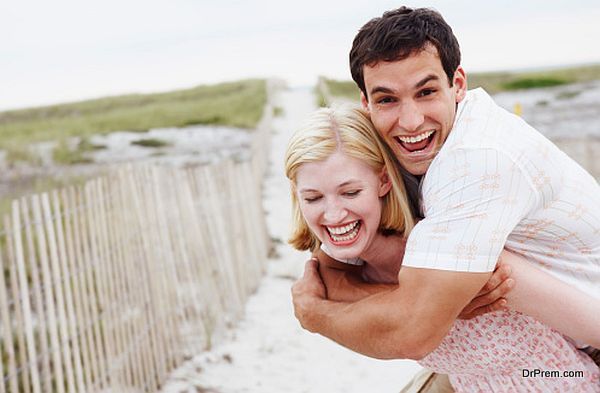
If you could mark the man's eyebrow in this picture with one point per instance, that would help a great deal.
(424, 81)
(381, 89)
(421, 83)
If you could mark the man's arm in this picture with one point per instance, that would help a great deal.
(344, 283)
(407, 322)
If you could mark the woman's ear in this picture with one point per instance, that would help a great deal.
(385, 183)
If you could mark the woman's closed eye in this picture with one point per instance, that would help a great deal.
(311, 199)
(352, 193)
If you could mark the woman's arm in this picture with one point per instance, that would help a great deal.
(552, 301)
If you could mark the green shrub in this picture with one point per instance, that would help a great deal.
(150, 142)
(532, 83)
(63, 154)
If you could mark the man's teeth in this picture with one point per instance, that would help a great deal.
(415, 139)
(343, 233)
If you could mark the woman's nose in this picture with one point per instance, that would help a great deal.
(334, 213)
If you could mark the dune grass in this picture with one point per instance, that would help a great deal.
(71, 155)
(343, 89)
(238, 104)
(495, 82)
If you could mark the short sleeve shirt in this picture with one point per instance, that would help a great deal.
(497, 183)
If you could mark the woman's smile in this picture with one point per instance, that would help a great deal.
(344, 234)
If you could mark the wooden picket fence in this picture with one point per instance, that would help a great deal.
(110, 285)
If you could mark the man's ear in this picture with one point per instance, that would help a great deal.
(385, 183)
(460, 83)
(364, 102)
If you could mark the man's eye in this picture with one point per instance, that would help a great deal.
(426, 92)
(384, 100)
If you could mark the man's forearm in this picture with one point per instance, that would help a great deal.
(377, 326)
(407, 322)
(344, 286)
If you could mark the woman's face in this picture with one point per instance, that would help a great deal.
(340, 200)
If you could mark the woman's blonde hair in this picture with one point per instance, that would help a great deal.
(349, 130)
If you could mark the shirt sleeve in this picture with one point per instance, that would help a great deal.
(472, 201)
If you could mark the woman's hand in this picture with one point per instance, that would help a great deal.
(491, 296)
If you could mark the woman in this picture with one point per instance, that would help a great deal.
(349, 201)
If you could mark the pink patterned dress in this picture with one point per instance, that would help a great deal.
(500, 351)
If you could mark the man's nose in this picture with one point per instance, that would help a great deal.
(335, 212)
(410, 116)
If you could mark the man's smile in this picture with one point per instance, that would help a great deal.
(420, 143)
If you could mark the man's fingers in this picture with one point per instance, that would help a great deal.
(311, 267)
(502, 273)
(505, 287)
(493, 296)
(497, 305)
(309, 270)
(501, 290)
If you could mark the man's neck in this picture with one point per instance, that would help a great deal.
(413, 191)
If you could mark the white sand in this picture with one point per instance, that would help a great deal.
(268, 351)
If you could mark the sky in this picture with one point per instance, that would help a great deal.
(66, 50)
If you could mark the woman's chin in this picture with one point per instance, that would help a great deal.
(344, 249)
(343, 252)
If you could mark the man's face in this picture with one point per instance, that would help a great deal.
(413, 106)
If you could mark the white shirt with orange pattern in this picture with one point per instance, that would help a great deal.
(497, 182)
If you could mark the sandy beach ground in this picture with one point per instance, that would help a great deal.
(268, 351)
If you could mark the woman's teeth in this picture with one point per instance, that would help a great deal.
(344, 233)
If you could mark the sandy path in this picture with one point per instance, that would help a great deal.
(268, 352)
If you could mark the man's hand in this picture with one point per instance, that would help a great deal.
(306, 292)
(491, 296)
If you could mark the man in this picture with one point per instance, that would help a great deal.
(487, 181)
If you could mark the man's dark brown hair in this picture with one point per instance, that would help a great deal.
(399, 34)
